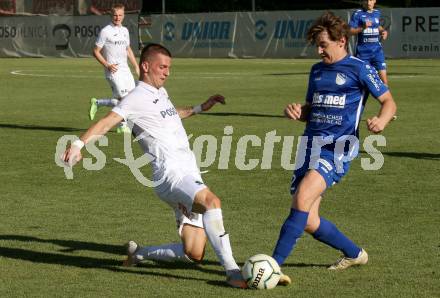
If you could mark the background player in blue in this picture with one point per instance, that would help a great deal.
(332, 111)
(365, 23)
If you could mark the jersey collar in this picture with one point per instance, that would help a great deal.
(115, 26)
(148, 87)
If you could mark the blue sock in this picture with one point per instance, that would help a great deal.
(108, 102)
(329, 234)
(291, 230)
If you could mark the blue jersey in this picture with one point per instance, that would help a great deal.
(368, 40)
(337, 93)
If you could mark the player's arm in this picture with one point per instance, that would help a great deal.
(296, 111)
(355, 26)
(383, 33)
(97, 53)
(355, 31)
(133, 61)
(73, 154)
(185, 112)
(387, 111)
(95, 10)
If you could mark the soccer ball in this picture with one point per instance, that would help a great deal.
(261, 272)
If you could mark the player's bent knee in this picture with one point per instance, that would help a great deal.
(205, 200)
(311, 227)
(195, 255)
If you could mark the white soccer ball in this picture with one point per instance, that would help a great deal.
(261, 272)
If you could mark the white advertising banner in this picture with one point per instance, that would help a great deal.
(241, 34)
(56, 36)
(193, 35)
(413, 33)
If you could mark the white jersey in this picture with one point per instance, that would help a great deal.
(158, 125)
(114, 41)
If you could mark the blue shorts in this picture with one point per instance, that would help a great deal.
(325, 165)
(377, 60)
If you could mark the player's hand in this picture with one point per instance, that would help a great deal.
(384, 34)
(293, 111)
(375, 124)
(112, 68)
(72, 155)
(213, 100)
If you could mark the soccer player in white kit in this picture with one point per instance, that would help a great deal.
(158, 127)
(112, 48)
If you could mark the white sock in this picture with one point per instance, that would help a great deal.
(168, 252)
(219, 239)
(107, 102)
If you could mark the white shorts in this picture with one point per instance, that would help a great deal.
(180, 194)
(121, 82)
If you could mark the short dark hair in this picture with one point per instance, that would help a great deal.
(152, 49)
(335, 26)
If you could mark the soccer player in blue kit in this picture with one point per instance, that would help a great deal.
(365, 23)
(335, 99)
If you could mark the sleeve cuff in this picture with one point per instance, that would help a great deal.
(120, 112)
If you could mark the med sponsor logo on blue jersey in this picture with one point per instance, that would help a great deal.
(329, 100)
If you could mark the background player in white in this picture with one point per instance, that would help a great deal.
(112, 48)
(158, 127)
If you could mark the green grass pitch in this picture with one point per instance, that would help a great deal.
(63, 238)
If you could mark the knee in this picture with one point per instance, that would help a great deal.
(206, 200)
(194, 255)
(302, 201)
(212, 201)
(312, 224)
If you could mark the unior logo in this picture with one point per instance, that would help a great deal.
(202, 30)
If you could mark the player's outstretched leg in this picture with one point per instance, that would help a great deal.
(208, 203)
(95, 103)
(345, 262)
(131, 260)
(329, 234)
(172, 252)
(291, 231)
